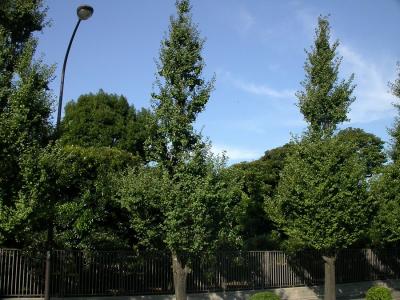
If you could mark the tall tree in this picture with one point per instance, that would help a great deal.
(261, 178)
(24, 107)
(386, 187)
(322, 195)
(184, 192)
(325, 101)
(322, 200)
(182, 93)
(105, 120)
(395, 131)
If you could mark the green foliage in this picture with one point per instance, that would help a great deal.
(18, 20)
(24, 106)
(386, 192)
(385, 189)
(265, 296)
(367, 145)
(72, 184)
(321, 200)
(185, 213)
(324, 101)
(105, 120)
(395, 131)
(260, 179)
(182, 92)
(184, 202)
(379, 293)
(395, 86)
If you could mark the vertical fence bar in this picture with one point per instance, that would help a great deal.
(1, 269)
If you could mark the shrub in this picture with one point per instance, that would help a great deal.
(379, 293)
(265, 296)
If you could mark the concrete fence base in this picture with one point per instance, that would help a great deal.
(348, 291)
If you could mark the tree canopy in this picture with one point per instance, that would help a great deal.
(395, 130)
(386, 192)
(260, 179)
(122, 178)
(367, 145)
(183, 190)
(386, 188)
(105, 120)
(74, 184)
(25, 106)
(322, 201)
(325, 100)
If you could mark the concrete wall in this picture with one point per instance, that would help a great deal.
(346, 291)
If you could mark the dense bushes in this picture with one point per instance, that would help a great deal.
(379, 293)
(265, 296)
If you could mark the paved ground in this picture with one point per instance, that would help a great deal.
(349, 291)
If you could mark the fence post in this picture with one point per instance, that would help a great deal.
(47, 276)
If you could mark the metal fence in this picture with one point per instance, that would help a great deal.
(78, 273)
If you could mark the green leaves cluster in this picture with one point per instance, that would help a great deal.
(325, 101)
(260, 180)
(395, 130)
(385, 189)
(196, 210)
(120, 177)
(265, 296)
(322, 198)
(367, 145)
(386, 192)
(106, 120)
(24, 107)
(184, 200)
(182, 92)
(322, 201)
(72, 184)
(379, 293)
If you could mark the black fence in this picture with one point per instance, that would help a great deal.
(78, 273)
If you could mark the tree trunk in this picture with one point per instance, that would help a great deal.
(180, 271)
(330, 281)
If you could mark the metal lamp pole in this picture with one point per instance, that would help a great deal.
(83, 12)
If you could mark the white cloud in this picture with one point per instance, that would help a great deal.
(235, 153)
(245, 21)
(306, 18)
(258, 89)
(374, 102)
(263, 90)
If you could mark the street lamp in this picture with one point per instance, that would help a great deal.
(83, 12)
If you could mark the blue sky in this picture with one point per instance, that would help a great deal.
(254, 47)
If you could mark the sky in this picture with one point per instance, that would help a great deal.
(255, 49)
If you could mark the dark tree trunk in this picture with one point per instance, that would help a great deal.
(330, 281)
(180, 271)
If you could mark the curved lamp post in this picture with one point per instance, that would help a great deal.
(83, 12)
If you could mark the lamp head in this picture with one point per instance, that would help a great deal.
(84, 12)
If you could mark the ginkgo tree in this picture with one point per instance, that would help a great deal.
(184, 201)
(322, 201)
(386, 187)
